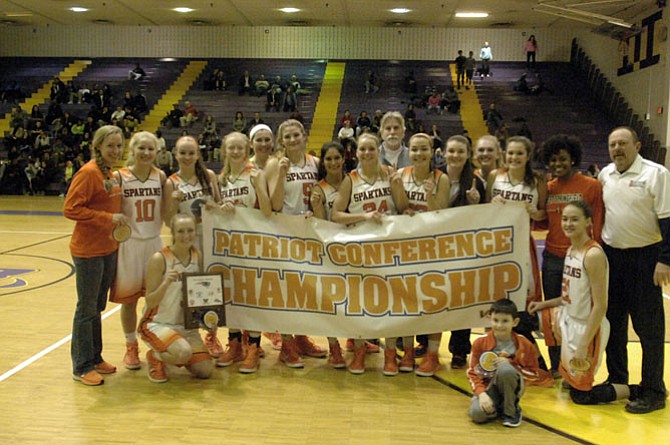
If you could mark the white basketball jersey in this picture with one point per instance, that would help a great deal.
(298, 186)
(576, 292)
(240, 191)
(142, 203)
(521, 192)
(366, 197)
(330, 193)
(416, 193)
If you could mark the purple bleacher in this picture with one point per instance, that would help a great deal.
(390, 78)
(569, 108)
(223, 105)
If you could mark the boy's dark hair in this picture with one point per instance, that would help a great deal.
(504, 306)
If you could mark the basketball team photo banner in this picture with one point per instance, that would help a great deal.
(431, 272)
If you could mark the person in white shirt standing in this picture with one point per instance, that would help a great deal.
(636, 237)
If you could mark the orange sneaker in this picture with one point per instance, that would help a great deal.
(407, 360)
(349, 345)
(275, 338)
(335, 360)
(132, 358)
(105, 368)
(289, 354)
(306, 347)
(213, 344)
(390, 363)
(156, 368)
(371, 348)
(357, 365)
(234, 353)
(429, 365)
(250, 363)
(91, 378)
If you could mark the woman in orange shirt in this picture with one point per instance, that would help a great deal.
(94, 202)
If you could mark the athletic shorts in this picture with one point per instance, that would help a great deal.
(131, 268)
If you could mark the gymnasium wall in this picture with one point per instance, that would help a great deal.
(278, 42)
(643, 77)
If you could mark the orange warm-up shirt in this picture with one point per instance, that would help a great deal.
(560, 193)
(91, 201)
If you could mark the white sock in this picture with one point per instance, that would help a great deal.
(433, 345)
(131, 337)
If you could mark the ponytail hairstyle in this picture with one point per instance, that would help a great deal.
(225, 171)
(98, 139)
(200, 168)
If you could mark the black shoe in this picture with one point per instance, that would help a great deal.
(459, 361)
(420, 350)
(644, 405)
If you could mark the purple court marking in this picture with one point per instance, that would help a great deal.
(30, 213)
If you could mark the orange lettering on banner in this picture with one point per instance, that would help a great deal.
(484, 245)
(435, 298)
(301, 291)
(270, 291)
(465, 244)
(268, 247)
(405, 299)
(484, 288)
(333, 291)
(461, 283)
(375, 295)
(372, 254)
(354, 306)
(503, 239)
(426, 247)
(507, 277)
(244, 283)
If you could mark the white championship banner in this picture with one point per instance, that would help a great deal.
(432, 272)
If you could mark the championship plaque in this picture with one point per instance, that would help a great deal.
(203, 300)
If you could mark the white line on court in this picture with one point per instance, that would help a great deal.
(44, 352)
(33, 232)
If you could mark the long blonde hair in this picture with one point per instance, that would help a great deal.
(225, 171)
(100, 135)
(281, 150)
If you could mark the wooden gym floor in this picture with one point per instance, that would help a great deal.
(39, 402)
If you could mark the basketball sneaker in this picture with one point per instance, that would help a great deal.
(213, 344)
(513, 422)
(132, 357)
(306, 347)
(357, 365)
(289, 354)
(429, 365)
(275, 338)
(407, 360)
(250, 363)
(156, 368)
(390, 363)
(335, 359)
(234, 353)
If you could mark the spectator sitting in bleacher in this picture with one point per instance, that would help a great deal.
(118, 114)
(35, 131)
(136, 73)
(220, 83)
(493, 118)
(370, 84)
(450, 101)
(376, 121)
(410, 119)
(345, 132)
(58, 91)
(363, 123)
(84, 94)
(18, 117)
(279, 83)
(261, 85)
(345, 117)
(13, 92)
(53, 112)
(209, 127)
(239, 123)
(140, 102)
(257, 120)
(42, 143)
(104, 116)
(128, 100)
(172, 118)
(165, 160)
(77, 129)
(190, 115)
(297, 87)
(130, 124)
(522, 84)
(434, 103)
(428, 91)
(245, 84)
(273, 99)
(17, 138)
(410, 83)
(35, 115)
(290, 100)
(540, 86)
(502, 134)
